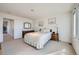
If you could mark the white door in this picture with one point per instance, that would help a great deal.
(12, 28)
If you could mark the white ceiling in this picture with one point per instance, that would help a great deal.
(41, 10)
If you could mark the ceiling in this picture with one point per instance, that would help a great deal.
(35, 10)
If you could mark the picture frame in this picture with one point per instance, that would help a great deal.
(52, 20)
(40, 23)
(27, 25)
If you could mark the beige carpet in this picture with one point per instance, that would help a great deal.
(7, 37)
(16, 47)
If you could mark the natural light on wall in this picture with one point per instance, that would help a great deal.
(74, 24)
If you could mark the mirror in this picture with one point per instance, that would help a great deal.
(27, 25)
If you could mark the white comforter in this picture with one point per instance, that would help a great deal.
(37, 39)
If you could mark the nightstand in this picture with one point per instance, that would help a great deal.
(55, 36)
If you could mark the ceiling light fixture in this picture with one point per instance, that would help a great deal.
(32, 10)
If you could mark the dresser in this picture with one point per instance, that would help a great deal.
(24, 32)
(55, 36)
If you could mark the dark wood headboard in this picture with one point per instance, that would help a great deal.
(24, 32)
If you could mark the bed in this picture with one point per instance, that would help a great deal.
(37, 39)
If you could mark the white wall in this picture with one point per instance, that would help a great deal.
(1, 30)
(64, 24)
(18, 24)
(77, 25)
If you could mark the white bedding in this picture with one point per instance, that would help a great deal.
(37, 39)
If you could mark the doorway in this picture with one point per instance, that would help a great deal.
(5, 27)
(8, 29)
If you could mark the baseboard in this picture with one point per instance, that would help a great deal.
(66, 42)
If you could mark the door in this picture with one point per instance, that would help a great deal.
(12, 28)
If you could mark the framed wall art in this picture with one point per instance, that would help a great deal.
(40, 23)
(52, 20)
